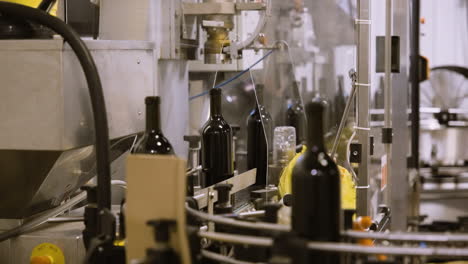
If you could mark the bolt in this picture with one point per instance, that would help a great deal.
(204, 243)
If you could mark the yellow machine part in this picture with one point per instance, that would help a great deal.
(32, 3)
(47, 253)
(348, 188)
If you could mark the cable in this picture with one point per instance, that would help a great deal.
(237, 223)
(94, 86)
(234, 77)
(342, 247)
(220, 53)
(237, 239)
(263, 125)
(224, 259)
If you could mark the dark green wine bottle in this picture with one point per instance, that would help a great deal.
(316, 211)
(217, 156)
(153, 141)
(295, 116)
(259, 123)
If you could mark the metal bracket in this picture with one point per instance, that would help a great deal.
(212, 23)
(197, 9)
(362, 21)
(387, 135)
(355, 153)
(208, 196)
(250, 6)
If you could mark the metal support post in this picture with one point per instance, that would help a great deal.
(363, 29)
(399, 201)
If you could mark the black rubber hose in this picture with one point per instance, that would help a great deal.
(460, 70)
(94, 86)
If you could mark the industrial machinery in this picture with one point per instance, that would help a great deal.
(237, 87)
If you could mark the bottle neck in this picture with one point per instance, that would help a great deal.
(315, 139)
(259, 94)
(215, 105)
(153, 118)
(295, 91)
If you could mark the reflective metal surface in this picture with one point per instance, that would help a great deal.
(46, 150)
(209, 196)
(44, 100)
(398, 182)
(67, 236)
(32, 181)
(363, 100)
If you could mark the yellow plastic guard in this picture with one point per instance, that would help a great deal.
(47, 253)
(32, 3)
(348, 188)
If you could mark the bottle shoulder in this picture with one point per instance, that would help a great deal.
(154, 143)
(315, 164)
(258, 116)
(295, 108)
(216, 125)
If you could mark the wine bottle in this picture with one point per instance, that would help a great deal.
(217, 156)
(340, 101)
(257, 142)
(295, 116)
(153, 141)
(316, 210)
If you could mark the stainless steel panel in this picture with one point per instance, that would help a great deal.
(44, 179)
(67, 236)
(173, 88)
(399, 183)
(363, 100)
(44, 100)
(22, 173)
(130, 20)
(30, 98)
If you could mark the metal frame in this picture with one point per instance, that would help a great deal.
(363, 29)
(342, 247)
(399, 200)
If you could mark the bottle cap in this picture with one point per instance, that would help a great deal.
(215, 91)
(152, 100)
